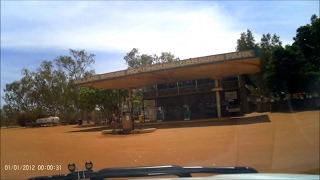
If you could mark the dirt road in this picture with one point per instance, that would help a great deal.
(273, 142)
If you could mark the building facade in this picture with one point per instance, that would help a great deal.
(195, 99)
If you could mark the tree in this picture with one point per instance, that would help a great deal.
(21, 105)
(18, 93)
(295, 68)
(77, 64)
(103, 100)
(165, 57)
(106, 101)
(246, 41)
(266, 46)
(9, 114)
(137, 99)
(307, 40)
(135, 60)
(86, 99)
(48, 88)
(283, 70)
(4, 118)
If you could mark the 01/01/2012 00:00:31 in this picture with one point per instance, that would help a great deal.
(32, 167)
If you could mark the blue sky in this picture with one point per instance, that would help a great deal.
(33, 31)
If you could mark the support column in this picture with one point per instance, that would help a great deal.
(244, 98)
(217, 88)
(196, 85)
(178, 87)
(157, 91)
(128, 123)
(143, 113)
(130, 100)
(118, 104)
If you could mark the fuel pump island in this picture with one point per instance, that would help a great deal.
(127, 124)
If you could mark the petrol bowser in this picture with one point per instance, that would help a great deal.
(127, 123)
(186, 112)
(160, 114)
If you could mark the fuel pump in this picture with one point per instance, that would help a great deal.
(127, 124)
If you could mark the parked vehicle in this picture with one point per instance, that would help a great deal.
(48, 121)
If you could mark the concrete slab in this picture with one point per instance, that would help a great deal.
(134, 131)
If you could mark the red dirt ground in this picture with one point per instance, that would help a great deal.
(271, 142)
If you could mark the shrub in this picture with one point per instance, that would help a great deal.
(24, 118)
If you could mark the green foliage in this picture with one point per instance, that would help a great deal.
(8, 115)
(308, 40)
(246, 41)
(292, 69)
(32, 116)
(266, 46)
(296, 68)
(18, 94)
(48, 90)
(105, 100)
(283, 69)
(86, 99)
(23, 119)
(165, 57)
(135, 60)
(137, 99)
(4, 118)
(76, 65)
(48, 86)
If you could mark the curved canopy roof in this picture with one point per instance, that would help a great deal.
(215, 66)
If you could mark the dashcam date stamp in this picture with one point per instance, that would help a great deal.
(32, 167)
(16, 167)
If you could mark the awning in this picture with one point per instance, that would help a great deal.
(216, 66)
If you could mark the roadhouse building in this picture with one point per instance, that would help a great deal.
(196, 88)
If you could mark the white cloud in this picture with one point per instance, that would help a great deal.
(111, 65)
(185, 31)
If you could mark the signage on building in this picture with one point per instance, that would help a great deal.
(234, 110)
(230, 95)
(150, 103)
